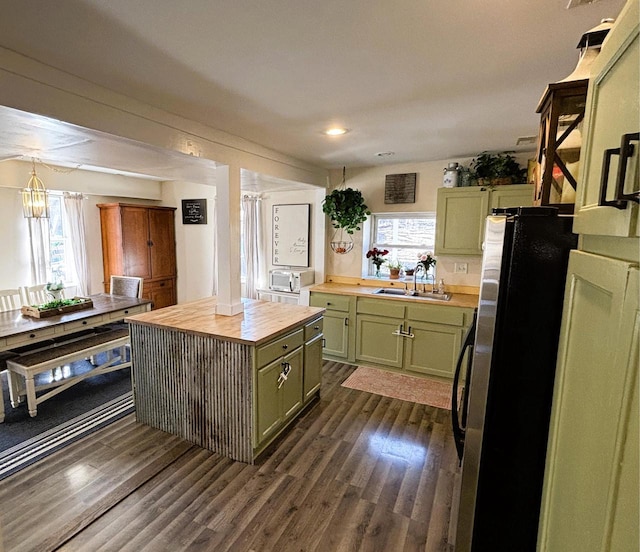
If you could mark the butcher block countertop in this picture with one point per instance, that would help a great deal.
(260, 322)
(466, 300)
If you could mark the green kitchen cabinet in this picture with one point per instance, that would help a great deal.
(278, 397)
(339, 322)
(461, 215)
(612, 112)
(517, 195)
(460, 218)
(414, 337)
(590, 497)
(313, 337)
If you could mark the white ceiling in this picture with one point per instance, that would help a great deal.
(427, 80)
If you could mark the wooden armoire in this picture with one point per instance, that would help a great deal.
(139, 240)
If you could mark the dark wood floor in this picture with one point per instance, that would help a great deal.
(358, 472)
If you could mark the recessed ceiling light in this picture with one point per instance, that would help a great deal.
(336, 131)
(385, 153)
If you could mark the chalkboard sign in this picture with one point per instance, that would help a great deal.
(400, 188)
(194, 211)
(290, 231)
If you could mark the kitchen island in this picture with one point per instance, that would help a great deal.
(230, 384)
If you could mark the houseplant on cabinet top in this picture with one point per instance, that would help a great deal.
(493, 169)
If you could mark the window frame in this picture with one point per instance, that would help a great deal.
(367, 264)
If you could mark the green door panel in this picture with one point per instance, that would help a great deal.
(592, 406)
(291, 389)
(520, 195)
(268, 403)
(460, 217)
(336, 334)
(433, 350)
(312, 367)
(376, 341)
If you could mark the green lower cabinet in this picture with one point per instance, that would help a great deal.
(336, 334)
(433, 349)
(378, 341)
(276, 401)
(312, 367)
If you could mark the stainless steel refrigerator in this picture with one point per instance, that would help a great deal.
(506, 404)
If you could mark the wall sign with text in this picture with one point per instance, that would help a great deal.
(194, 211)
(290, 235)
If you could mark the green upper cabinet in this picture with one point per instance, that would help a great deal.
(461, 214)
(520, 195)
(612, 112)
(460, 220)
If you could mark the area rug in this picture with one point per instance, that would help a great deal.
(63, 419)
(400, 386)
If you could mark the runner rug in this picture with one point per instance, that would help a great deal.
(400, 386)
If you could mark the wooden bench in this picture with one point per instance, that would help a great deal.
(23, 369)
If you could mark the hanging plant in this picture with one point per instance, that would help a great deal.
(346, 208)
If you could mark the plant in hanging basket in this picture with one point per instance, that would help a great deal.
(346, 209)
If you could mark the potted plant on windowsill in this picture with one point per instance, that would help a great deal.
(395, 267)
(494, 169)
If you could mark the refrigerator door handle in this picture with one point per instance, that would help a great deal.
(457, 426)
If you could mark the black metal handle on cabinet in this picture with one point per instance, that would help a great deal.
(604, 181)
(346, 321)
(626, 152)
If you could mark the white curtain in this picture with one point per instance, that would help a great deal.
(75, 223)
(252, 240)
(214, 224)
(39, 240)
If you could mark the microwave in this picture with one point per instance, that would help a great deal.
(290, 280)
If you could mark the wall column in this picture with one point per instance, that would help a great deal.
(228, 228)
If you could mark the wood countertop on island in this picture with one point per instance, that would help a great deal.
(260, 321)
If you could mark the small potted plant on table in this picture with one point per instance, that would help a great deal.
(395, 267)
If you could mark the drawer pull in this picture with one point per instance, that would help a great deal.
(126, 312)
(285, 346)
(32, 335)
(316, 328)
(84, 322)
(328, 304)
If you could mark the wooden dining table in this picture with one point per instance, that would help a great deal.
(18, 330)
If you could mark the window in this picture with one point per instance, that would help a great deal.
(61, 266)
(405, 235)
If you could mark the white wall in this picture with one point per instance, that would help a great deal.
(316, 223)
(194, 242)
(370, 181)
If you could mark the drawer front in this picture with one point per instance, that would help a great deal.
(86, 323)
(392, 309)
(313, 329)
(330, 302)
(119, 315)
(269, 352)
(34, 336)
(452, 316)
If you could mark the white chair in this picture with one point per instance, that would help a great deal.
(128, 286)
(37, 295)
(10, 299)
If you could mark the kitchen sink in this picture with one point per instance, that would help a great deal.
(412, 293)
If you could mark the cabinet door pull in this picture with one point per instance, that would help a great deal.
(604, 181)
(346, 321)
(626, 152)
(284, 374)
(324, 342)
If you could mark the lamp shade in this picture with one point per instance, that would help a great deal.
(35, 198)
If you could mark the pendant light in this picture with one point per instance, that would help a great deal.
(35, 198)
